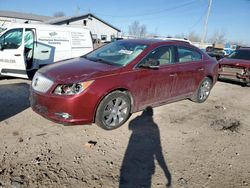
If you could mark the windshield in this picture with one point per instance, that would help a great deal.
(240, 54)
(118, 53)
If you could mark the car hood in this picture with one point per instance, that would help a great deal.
(235, 62)
(77, 69)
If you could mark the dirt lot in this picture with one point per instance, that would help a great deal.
(187, 144)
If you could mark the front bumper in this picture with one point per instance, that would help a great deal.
(67, 110)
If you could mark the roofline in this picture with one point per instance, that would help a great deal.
(24, 16)
(104, 22)
(84, 16)
(27, 19)
(41, 25)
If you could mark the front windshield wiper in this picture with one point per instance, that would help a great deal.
(103, 61)
(99, 60)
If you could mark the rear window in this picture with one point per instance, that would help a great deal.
(240, 54)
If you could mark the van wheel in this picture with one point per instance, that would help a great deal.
(203, 91)
(113, 111)
(31, 73)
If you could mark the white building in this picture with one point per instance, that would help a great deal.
(99, 28)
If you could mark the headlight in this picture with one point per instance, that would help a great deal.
(72, 89)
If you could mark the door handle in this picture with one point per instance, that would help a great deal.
(17, 54)
(45, 51)
(201, 69)
(173, 74)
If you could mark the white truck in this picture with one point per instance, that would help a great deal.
(24, 48)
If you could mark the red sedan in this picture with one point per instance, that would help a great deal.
(236, 66)
(120, 78)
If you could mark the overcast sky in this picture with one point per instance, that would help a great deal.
(162, 17)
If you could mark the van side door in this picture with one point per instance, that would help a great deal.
(12, 53)
(29, 45)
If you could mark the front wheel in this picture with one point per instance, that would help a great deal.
(203, 91)
(113, 111)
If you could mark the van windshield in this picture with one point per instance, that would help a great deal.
(118, 53)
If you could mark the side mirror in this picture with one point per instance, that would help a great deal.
(1, 47)
(151, 64)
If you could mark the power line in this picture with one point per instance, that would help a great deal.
(151, 12)
(198, 20)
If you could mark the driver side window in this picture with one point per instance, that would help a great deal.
(162, 54)
(12, 39)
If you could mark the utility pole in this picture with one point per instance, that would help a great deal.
(204, 35)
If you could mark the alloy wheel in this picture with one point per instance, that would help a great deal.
(204, 90)
(116, 111)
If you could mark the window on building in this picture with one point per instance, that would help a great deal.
(84, 22)
(103, 37)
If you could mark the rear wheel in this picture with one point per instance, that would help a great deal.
(203, 91)
(113, 111)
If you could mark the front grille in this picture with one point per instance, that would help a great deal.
(232, 69)
(41, 83)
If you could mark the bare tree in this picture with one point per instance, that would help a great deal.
(193, 37)
(143, 31)
(137, 30)
(239, 43)
(59, 14)
(181, 36)
(217, 37)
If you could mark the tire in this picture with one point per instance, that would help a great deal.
(31, 73)
(113, 111)
(203, 91)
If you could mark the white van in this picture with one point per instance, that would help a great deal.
(24, 48)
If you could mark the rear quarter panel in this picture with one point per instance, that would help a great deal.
(211, 68)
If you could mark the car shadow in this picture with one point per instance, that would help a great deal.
(14, 98)
(234, 82)
(143, 149)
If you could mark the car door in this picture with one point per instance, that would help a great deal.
(189, 71)
(29, 45)
(12, 53)
(153, 85)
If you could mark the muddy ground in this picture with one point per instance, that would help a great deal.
(184, 143)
